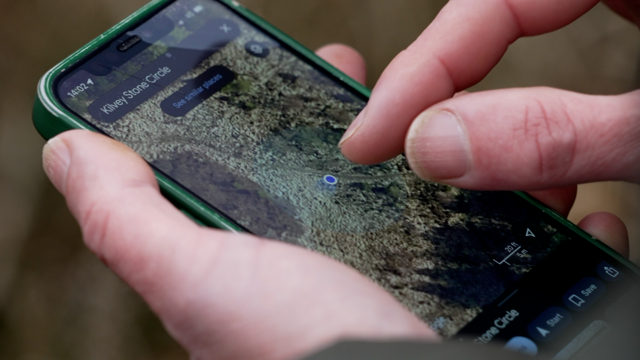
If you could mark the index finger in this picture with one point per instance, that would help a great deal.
(457, 50)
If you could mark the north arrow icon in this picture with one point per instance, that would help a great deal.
(530, 233)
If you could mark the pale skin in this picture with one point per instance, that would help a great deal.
(233, 296)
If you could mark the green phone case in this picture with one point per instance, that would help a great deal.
(51, 118)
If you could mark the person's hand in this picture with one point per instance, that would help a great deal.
(515, 139)
(525, 139)
(221, 295)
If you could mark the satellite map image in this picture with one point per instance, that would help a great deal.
(250, 128)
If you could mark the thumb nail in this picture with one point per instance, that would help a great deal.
(438, 146)
(56, 159)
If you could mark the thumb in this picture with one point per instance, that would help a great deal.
(527, 139)
(115, 197)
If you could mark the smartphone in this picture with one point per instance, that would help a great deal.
(241, 125)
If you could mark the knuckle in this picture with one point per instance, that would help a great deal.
(549, 130)
(96, 224)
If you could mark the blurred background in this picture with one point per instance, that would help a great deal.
(58, 302)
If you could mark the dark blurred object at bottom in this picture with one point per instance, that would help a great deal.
(621, 342)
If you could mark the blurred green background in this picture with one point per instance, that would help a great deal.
(58, 302)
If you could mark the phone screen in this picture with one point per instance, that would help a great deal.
(251, 127)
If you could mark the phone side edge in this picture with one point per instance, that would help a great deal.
(577, 230)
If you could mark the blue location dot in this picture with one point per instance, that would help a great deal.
(327, 184)
(330, 180)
